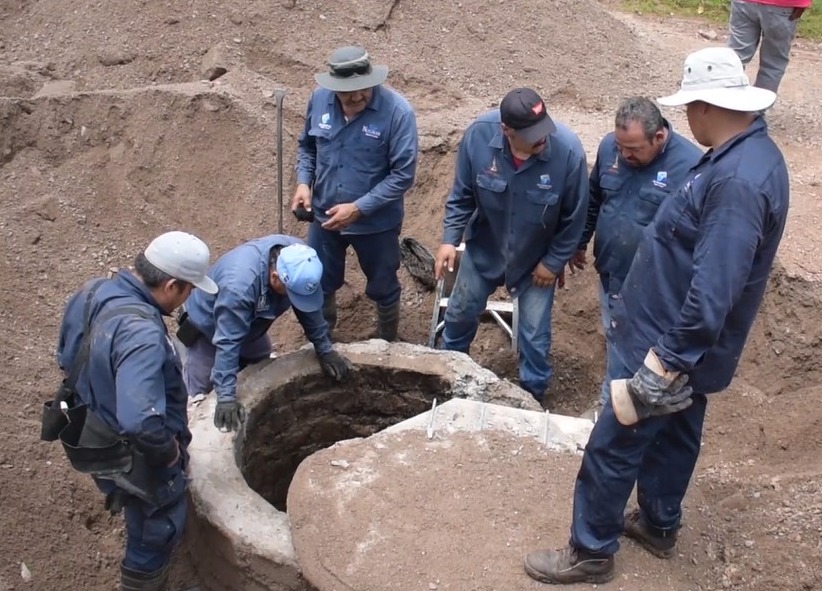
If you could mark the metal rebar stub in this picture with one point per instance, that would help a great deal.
(547, 426)
(430, 430)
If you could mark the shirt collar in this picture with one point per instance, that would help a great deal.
(757, 126)
(133, 284)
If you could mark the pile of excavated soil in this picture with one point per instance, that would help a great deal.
(88, 178)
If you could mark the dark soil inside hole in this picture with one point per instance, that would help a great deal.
(315, 412)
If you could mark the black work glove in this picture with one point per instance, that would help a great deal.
(675, 398)
(335, 365)
(652, 385)
(229, 414)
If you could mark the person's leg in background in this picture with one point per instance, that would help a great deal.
(535, 305)
(744, 28)
(778, 32)
(197, 366)
(379, 257)
(330, 247)
(468, 299)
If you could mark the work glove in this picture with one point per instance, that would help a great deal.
(676, 398)
(653, 385)
(229, 414)
(335, 365)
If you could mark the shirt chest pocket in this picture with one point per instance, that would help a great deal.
(648, 204)
(610, 184)
(540, 206)
(323, 143)
(677, 219)
(491, 192)
(368, 155)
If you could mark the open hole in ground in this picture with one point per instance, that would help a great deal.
(313, 412)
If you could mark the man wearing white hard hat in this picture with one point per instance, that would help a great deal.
(679, 324)
(120, 412)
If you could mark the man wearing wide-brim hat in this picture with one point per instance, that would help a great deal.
(679, 324)
(356, 159)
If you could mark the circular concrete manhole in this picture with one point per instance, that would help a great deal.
(239, 534)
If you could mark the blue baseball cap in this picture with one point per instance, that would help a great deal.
(300, 270)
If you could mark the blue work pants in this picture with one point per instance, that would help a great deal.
(658, 454)
(378, 255)
(153, 531)
(199, 361)
(469, 298)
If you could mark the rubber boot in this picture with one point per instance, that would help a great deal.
(388, 321)
(132, 580)
(330, 310)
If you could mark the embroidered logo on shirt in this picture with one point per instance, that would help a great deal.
(615, 165)
(324, 121)
(690, 182)
(493, 168)
(262, 303)
(661, 179)
(370, 131)
(544, 181)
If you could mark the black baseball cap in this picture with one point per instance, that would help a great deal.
(523, 110)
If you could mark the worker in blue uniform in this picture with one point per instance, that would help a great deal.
(683, 315)
(639, 165)
(518, 201)
(356, 160)
(259, 281)
(124, 400)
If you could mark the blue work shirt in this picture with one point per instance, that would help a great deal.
(245, 308)
(513, 219)
(625, 198)
(701, 270)
(132, 380)
(370, 160)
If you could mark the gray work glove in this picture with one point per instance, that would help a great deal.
(675, 398)
(335, 365)
(652, 385)
(229, 414)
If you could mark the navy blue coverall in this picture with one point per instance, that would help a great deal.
(692, 294)
(623, 200)
(133, 384)
(370, 161)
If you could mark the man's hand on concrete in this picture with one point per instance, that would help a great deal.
(342, 215)
(302, 196)
(230, 415)
(445, 260)
(577, 261)
(543, 277)
(335, 365)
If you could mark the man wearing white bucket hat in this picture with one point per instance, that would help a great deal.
(356, 159)
(679, 324)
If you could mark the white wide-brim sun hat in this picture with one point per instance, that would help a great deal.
(715, 75)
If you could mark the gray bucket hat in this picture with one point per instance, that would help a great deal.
(350, 69)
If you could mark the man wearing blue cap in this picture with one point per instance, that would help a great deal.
(259, 281)
(356, 159)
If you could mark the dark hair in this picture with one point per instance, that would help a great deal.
(644, 112)
(151, 275)
(273, 254)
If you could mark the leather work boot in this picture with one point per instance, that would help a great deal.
(132, 580)
(636, 529)
(569, 565)
(388, 322)
(330, 311)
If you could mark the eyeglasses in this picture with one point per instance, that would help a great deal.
(351, 69)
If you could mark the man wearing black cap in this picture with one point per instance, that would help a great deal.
(519, 202)
(358, 153)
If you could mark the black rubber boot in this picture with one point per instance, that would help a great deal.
(330, 311)
(388, 322)
(132, 580)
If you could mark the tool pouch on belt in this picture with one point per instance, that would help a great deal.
(187, 333)
(90, 445)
